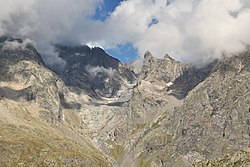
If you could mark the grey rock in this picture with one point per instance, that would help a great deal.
(168, 114)
(94, 71)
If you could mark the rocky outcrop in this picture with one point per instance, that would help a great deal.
(167, 69)
(215, 116)
(25, 78)
(178, 78)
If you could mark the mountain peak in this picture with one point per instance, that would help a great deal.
(148, 55)
(15, 49)
(168, 57)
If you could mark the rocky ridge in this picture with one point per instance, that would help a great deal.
(213, 120)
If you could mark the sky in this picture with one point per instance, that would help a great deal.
(105, 9)
(124, 52)
(191, 31)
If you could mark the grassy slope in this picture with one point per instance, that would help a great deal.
(26, 140)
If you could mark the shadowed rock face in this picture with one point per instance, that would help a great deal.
(87, 56)
(95, 71)
(190, 78)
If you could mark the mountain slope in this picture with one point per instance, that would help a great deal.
(26, 140)
(97, 112)
(36, 128)
(213, 120)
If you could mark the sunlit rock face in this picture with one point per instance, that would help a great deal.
(24, 77)
(212, 121)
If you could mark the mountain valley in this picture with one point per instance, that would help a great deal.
(96, 111)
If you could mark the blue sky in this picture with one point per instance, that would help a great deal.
(126, 52)
(107, 7)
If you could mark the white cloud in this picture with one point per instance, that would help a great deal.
(14, 45)
(95, 44)
(44, 21)
(94, 70)
(190, 30)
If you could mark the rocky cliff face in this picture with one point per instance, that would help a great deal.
(213, 120)
(95, 71)
(98, 112)
(38, 118)
(24, 77)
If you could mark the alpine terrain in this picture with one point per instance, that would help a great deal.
(97, 112)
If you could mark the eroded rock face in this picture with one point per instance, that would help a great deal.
(167, 69)
(38, 114)
(215, 115)
(24, 77)
(237, 159)
(213, 120)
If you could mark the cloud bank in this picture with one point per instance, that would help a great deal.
(189, 30)
(45, 22)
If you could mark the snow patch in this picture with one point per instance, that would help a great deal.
(169, 84)
(94, 45)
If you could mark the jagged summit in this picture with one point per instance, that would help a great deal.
(94, 71)
(88, 56)
(168, 57)
(148, 55)
(180, 78)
